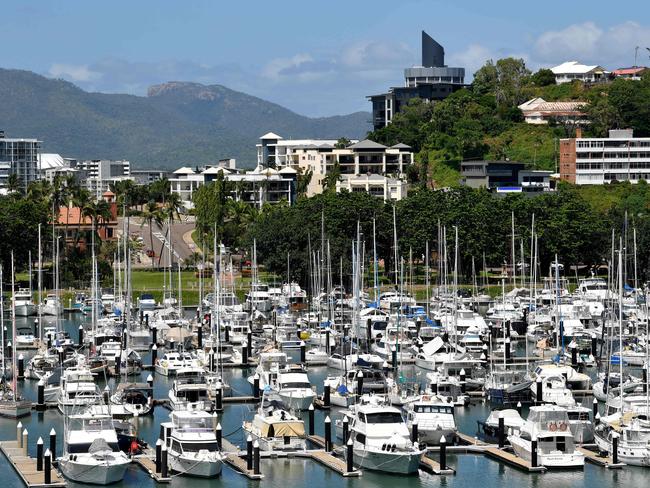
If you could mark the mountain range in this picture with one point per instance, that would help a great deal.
(176, 124)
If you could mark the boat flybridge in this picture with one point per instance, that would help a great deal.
(380, 437)
(549, 425)
(192, 444)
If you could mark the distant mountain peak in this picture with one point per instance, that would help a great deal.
(186, 88)
(177, 124)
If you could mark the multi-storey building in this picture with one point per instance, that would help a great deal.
(102, 172)
(598, 160)
(257, 187)
(431, 81)
(358, 159)
(19, 157)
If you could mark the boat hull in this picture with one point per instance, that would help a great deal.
(86, 469)
(190, 466)
(393, 462)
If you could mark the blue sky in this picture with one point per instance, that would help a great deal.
(317, 58)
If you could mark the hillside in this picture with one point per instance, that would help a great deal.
(176, 124)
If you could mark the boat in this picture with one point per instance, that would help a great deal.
(146, 302)
(52, 306)
(633, 431)
(25, 338)
(77, 390)
(549, 425)
(132, 399)
(488, 430)
(295, 390)
(91, 453)
(189, 390)
(274, 427)
(380, 437)
(13, 406)
(192, 446)
(23, 303)
(171, 362)
(434, 417)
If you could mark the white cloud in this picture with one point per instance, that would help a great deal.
(574, 41)
(277, 68)
(611, 47)
(377, 54)
(75, 73)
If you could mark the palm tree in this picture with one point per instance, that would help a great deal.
(82, 200)
(151, 214)
(13, 183)
(239, 216)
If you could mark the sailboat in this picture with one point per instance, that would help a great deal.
(11, 404)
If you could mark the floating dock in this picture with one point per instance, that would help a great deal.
(334, 463)
(25, 466)
(509, 458)
(602, 461)
(431, 466)
(148, 464)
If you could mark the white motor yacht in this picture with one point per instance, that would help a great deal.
(189, 390)
(23, 303)
(549, 425)
(192, 444)
(381, 438)
(295, 390)
(434, 416)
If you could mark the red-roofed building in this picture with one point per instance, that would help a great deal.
(633, 73)
(75, 225)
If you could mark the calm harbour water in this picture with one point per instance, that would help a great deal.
(472, 470)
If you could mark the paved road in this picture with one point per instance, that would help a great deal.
(180, 241)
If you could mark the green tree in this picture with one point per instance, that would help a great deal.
(543, 77)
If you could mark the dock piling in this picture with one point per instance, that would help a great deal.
(53, 443)
(40, 396)
(501, 431)
(154, 354)
(21, 367)
(326, 396)
(256, 387)
(25, 442)
(39, 454)
(349, 456)
(311, 419)
(533, 454)
(19, 434)
(163, 462)
(615, 448)
(256, 458)
(346, 426)
(47, 477)
(443, 453)
(249, 453)
(158, 455)
(414, 431)
(328, 434)
(219, 434)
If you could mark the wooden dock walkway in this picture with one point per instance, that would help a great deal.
(431, 466)
(319, 441)
(149, 466)
(512, 460)
(335, 464)
(602, 461)
(25, 466)
(238, 464)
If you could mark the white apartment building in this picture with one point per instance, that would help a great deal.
(390, 189)
(357, 160)
(257, 187)
(594, 161)
(19, 157)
